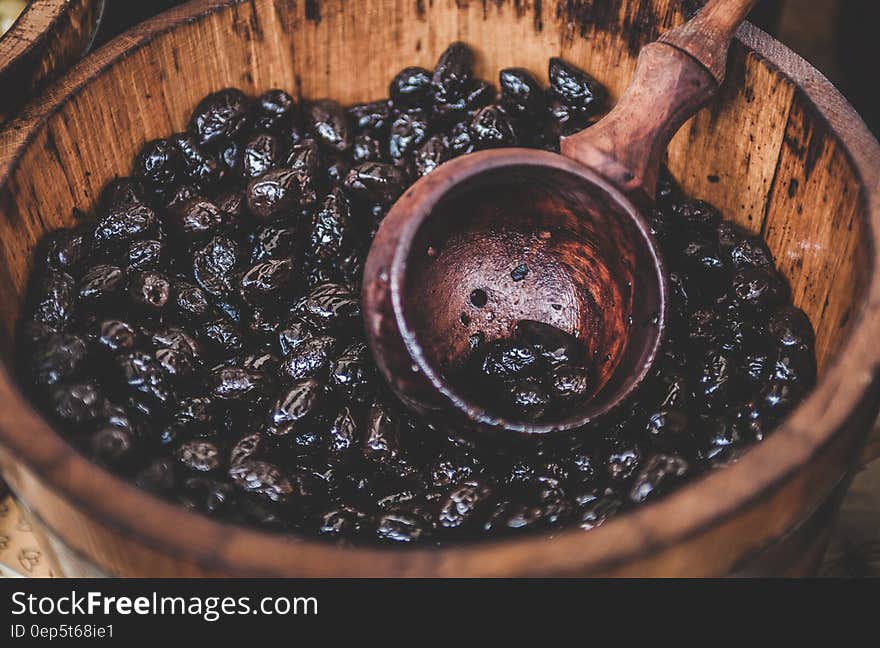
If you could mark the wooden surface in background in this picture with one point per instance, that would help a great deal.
(47, 38)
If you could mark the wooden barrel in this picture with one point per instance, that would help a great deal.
(47, 38)
(780, 152)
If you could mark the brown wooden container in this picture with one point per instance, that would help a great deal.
(47, 38)
(780, 152)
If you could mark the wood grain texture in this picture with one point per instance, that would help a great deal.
(778, 120)
(708, 35)
(46, 39)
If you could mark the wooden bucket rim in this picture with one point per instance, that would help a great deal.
(14, 47)
(696, 508)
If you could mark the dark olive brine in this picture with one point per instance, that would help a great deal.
(200, 333)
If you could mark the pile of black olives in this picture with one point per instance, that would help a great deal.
(201, 335)
(541, 373)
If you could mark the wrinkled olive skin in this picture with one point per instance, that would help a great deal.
(200, 333)
(219, 116)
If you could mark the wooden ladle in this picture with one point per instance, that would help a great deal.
(499, 236)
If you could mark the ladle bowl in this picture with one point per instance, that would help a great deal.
(444, 265)
(521, 235)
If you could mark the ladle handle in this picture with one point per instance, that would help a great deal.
(674, 78)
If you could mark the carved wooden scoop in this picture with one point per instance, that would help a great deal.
(447, 261)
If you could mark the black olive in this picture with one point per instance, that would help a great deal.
(491, 128)
(521, 94)
(100, 282)
(328, 123)
(570, 384)
(408, 132)
(352, 372)
(190, 301)
(759, 289)
(176, 364)
(148, 254)
(658, 475)
(292, 334)
(594, 513)
(564, 120)
(121, 191)
(267, 279)
(222, 336)
(464, 506)
(112, 446)
(508, 358)
(372, 117)
(274, 242)
(376, 182)
(261, 153)
(57, 357)
(703, 263)
(309, 358)
(527, 399)
(751, 253)
(434, 152)
(452, 73)
(117, 335)
(306, 158)
(159, 477)
(344, 433)
(150, 290)
(143, 374)
(382, 435)
(178, 339)
(552, 344)
(246, 448)
(715, 378)
(124, 223)
(789, 327)
(158, 165)
(219, 116)
(781, 397)
(341, 522)
(795, 366)
(332, 233)
(213, 265)
(578, 90)
(194, 219)
(238, 384)
(278, 192)
(273, 110)
(67, 250)
(262, 479)
(402, 525)
(196, 413)
(231, 156)
(623, 459)
(300, 400)
(411, 88)
(330, 306)
(78, 402)
(460, 139)
(56, 300)
(699, 218)
(367, 148)
(199, 456)
(202, 169)
(719, 434)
